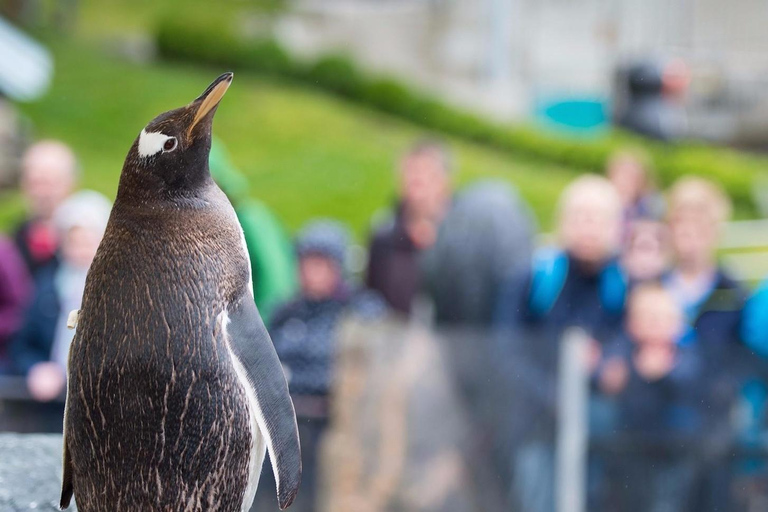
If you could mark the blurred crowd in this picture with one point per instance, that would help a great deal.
(677, 343)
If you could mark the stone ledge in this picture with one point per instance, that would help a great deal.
(30, 472)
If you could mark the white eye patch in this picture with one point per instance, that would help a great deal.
(151, 143)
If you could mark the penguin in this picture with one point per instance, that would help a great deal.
(174, 390)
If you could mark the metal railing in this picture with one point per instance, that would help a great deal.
(19, 412)
(407, 387)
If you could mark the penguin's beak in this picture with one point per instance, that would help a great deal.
(207, 102)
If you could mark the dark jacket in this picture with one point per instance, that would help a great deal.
(15, 290)
(668, 406)
(393, 265)
(486, 237)
(717, 320)
(674, 404)
(38, 247)
(533, 313)
(34, 341)
(714, 329)
(304, 333)
(558, 294)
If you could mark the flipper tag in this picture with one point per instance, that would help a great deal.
(72, 318)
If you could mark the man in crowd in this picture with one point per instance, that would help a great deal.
(712, 302)
(711, 299)
(396, 245)
(579, 284)
(49, 174)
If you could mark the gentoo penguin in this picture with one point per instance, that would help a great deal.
(175, 392)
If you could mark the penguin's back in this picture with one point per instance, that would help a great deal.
(156, 417)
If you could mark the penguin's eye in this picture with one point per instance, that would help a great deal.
(170, 144)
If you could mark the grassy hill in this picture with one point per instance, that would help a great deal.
(305, 153)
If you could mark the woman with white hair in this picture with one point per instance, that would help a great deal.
(41, 347)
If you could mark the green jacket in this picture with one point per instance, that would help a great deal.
(273, 260)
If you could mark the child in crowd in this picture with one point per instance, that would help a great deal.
(304, 330)
(646, 251)
(652, 374)
(656, 382)
(629, 171)
(41, 348)
(304, 333)
(580, 284)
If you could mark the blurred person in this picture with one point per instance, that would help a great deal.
(644, 259)
(579, 284)
(649, 348)
(754, 333)
(646, 254)
(397, 243)
(273, 262)
(712, 302)
(15, 289)
(656, 382)
(651, 103)
(48, 176)
(629, 171)
(41, 348)
(710, 297)
(304, 334)
(485, 237)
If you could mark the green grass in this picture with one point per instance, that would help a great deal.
(106, 18)
(305, 153)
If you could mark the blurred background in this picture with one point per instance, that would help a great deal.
(511, 253)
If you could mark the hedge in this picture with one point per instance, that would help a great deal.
(217, 43)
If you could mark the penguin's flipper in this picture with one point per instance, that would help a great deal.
(251, 344)
(66, 478)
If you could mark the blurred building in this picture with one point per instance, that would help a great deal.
(554, 59)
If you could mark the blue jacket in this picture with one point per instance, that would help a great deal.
(754, 328)
(533, 311)
(558, 293)
(714, 329)
(34, 341)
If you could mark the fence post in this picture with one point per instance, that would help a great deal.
(572, 427)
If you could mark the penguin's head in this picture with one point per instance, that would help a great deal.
(171, 152)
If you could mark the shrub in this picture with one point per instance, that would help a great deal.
(389, 95)
(338, 74)
(216, 42)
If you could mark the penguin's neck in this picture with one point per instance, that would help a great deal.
(148, 188)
